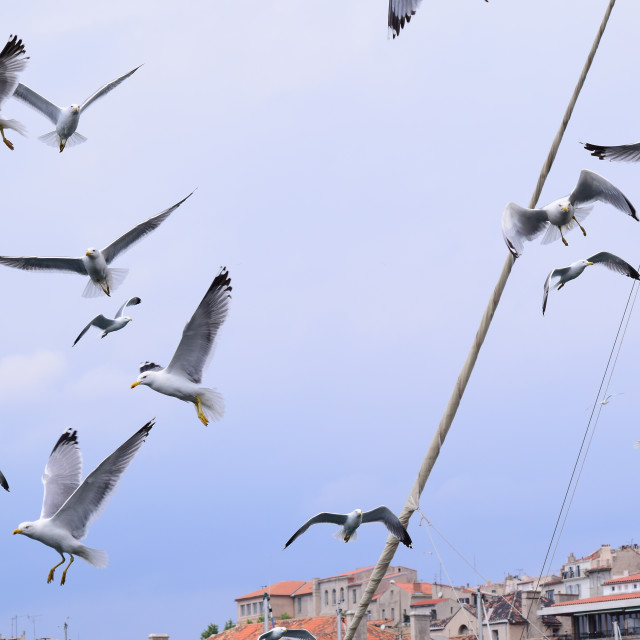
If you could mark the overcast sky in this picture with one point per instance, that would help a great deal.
(353, 185)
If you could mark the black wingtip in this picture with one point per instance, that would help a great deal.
(147, 427)
(596, 150)
(70, 436)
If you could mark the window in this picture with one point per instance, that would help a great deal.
(494, 634)
(578, 570)
(613, 588)
(241, 609)
(369, 614)
(549, 594)
(341, 594)
(463, 630)
(255, 608)
(333, 596)
(383, 616)
(326, 598)
(393, 613)
(354, 596)
(299, 605)
(261, 606)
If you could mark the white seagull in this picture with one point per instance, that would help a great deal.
(182, 377)
(68, 507)
(282, 632)
(566, 274)
(65, 119)
(95, 263)
(12, 61)
(109, 325)
(520, 224)
(351, 521)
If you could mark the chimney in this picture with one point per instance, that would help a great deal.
(158, 636)
(420, 626)
(316, 597)
(361, 632)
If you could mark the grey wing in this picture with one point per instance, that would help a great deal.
(3, 482)
(400, 11)
(138, 232)
(547, 282)
(32, 263)
(62, 473)
(99, 321)
(333, 518)
(199, 334)
(390, 520)
(129, 303)
(88, 500)
(107, 87)
(592, 186)
(301, 634)
(520, 224)
(12, 61)
(624, 152)
(38, 102)
(614, 263)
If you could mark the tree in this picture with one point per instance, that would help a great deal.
(249, 622)
(261, 617)
(284, 616)
(211, 630)
(229, 624)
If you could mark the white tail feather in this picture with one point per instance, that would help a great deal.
(115, 277)
(340, 534)
(92, 290)
(75, 139)
(212, 403)
(52, 139)
(15, 125)
(95, 557)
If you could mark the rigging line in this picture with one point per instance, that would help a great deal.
(469, 625)
(501, 597)
(456, 395)
(582, 444)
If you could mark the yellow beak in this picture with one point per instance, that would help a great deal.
(88, 253)
(589, 262)
(17, 531)
(135, 384)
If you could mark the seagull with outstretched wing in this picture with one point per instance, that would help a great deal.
(282, 632)
(109, 325)
(95, 263)
(559, 277)
(182, 377)
(69, 507)
(65, 119)
(12, 61)
(351, 521)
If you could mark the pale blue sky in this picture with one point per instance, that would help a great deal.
(353, 186)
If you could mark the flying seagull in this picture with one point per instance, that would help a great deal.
(109, 325)
(65, 119)
(607, 399)
(12, 60)
(624, 152)
(520, 224)
(351, 521)
(566, 274)
(282, 632)
(95, 263)
(69, 507)
(182, 377)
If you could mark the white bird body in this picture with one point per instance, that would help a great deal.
(348, 531)
(68, 122)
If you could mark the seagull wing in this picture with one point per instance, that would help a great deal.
(614, 263)
(88, 500)
(138, 232)
(333, 518)
(390, 520)
(592, 186)
(129, 303)
(32, 263)
(520, 224)
(38, 102)
(62, 473)
(400, 11)
(199, 334)
(12, 61)
(301, 634)
(628, 152)
(99, 321)
(3, 482)
(107, 87)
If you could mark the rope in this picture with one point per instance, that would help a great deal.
(456, 396)
(609, 368)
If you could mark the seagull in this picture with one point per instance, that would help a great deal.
(12, 60)
(624, 152)
(65, 119)
(400, 11)
(3, 482)
(566, 274)
(68, 507)
(607, 399)
(183, 376)
(107, 324)
(95, 263)
(351, 521)
(520, 224)
(282, 632)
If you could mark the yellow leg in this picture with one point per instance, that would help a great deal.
(200, 412)
(62, 145)
(7, 142)
(50, 576)
(566, 244)
(581, 227)
(104, 285)
(347, 538)
(64, 573)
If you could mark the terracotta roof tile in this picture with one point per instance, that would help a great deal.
(283, 588)
(613, 596)
(427, 603)
(416, 587)
(634, 577)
